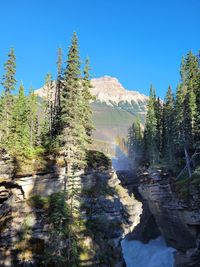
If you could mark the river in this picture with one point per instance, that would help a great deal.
(153, 254)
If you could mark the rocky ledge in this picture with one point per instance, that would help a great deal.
(178, 220)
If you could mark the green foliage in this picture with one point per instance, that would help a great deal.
(150, 128)
(18, 139)
(39, 202)
(65, 126)
(8, 80)
(61, 248)
(61, 229)
(58, 213)
(6, 102)
(97, 160)
(135, 143)
(75, 115)
(26, 227)
(172, 133)
(168, 127)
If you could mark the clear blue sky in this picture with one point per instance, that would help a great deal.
(138, 41)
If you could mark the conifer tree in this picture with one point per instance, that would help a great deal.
(87, 97)
(18, 140)
(33, 118)
(48, 103)
(150, 128)
(197, 98)
(185, 107)
(169, 122)
(8, 80)
(8, 83)
(58, 93)
(179, 117)
(135, 143)
(73, 138)
(159, 124)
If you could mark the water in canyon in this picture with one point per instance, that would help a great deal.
(153, 254)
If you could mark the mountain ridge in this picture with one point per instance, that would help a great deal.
(109, 88)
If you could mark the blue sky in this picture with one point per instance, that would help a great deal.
(138, 41)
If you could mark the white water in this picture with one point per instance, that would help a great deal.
(153, 254)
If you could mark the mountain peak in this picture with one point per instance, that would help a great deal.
(106, 84)
(109, 89)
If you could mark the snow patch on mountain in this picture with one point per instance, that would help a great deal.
(109, 90)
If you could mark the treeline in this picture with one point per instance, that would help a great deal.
(172, 131)
(60, 123)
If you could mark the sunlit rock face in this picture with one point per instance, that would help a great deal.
(110, 90)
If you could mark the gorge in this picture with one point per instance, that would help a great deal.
(117, 207)
(125, 217)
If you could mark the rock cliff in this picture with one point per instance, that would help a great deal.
(178, 220)
(107, 213)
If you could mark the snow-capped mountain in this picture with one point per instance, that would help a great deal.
(109, 89)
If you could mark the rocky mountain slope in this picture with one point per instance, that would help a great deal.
(114, 110)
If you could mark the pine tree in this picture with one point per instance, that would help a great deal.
(197, 96)
(186, 102)
(186, 107)
(179, 117)
(8, 83)
(150, 128)
(33, 118)
(135, 143)
(48, 106)
(169, 122)
(73, 138)
(8, 80)
(87, 97)
(59, 84)
(18, 139)
(159, 124)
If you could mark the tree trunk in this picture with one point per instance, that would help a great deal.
(187, 161)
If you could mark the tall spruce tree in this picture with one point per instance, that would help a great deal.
(48, 106)
(135, 143)
(87, 97)
(191, 70)
(150, 128)
(73, 138)
(33, 118)
(8, 80)
(18, 140)
(8, 83)
(197, 98)
(59, 84)
(169, 132)
(158, 107)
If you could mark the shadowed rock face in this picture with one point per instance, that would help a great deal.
(6, 165)
(178, 222)
(147, 229)
(106, 208)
